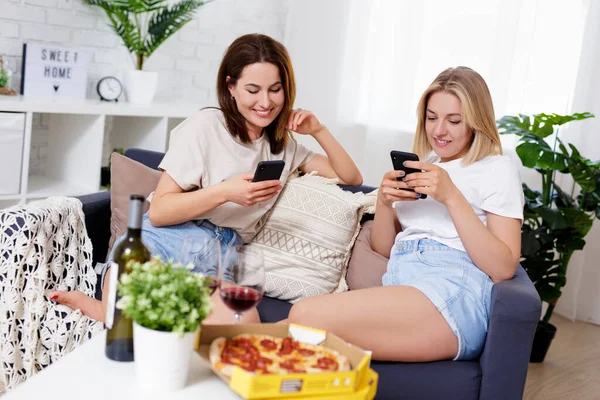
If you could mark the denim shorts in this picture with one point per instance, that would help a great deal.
(166, 241)
(448, 277)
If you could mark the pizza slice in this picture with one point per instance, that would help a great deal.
(298, 357)
(263, 354)
(253, 353)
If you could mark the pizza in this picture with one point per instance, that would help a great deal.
(262, 354)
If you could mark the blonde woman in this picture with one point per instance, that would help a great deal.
(446, 251)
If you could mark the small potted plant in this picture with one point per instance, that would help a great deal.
(5, 80)
(167, 303)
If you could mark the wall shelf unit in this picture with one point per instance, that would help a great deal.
(75, 140)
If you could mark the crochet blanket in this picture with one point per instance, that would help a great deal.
(43, 247)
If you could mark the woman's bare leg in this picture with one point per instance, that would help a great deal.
(397, 323)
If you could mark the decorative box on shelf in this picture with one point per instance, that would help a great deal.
(12, 128)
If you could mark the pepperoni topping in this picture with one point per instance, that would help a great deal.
(268, 344)
(229, 352)
(243, 343)
(305, 352)
(246, 356)
(287, 364)
(286, 347)
(327, 363)
(242, 352)
(250, 366)
(262, 362)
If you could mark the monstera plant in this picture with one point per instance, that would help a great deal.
(556, 220)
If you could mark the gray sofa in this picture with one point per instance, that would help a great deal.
(499, 373)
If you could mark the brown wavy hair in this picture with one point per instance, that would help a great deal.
(247, 50)
(477, 111)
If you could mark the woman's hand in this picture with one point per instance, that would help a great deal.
(241, 190)
(392, 190)
(434, 181)
(304, 122)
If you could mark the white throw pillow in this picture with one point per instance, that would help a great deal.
(308, 236)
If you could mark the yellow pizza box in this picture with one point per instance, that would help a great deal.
(366, 391)
(292, 386)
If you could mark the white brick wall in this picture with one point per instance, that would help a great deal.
(187, 62)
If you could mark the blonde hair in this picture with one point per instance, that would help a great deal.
(477, 112)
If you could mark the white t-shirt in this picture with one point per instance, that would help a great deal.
(203, 153)
(490, 185)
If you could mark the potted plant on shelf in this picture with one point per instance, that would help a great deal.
(5, 80)
(144, 25)
(167, 303)
(556, 220)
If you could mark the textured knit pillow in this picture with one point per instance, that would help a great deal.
(308, 236)
(127, 177)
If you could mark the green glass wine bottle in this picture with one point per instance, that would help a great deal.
(119, 336)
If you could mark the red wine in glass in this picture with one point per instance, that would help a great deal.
(240, 299)
(241, 279)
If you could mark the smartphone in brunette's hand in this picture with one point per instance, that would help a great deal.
(398, 157)
(268, 170)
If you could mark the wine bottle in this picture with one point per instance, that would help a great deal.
(119, 336)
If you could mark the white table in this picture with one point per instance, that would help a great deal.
(86, 373)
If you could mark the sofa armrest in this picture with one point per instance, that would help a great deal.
(361, 188)
(515, 312)
(96, 207)
(358, 188)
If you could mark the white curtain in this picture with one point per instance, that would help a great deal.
(528, 51)
(581, 295)
(362, 66)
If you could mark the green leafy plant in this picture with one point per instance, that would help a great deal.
(5, 74)
(119, 150)
(3, 77)
(556, 221)
(164, 296)
(145, 24)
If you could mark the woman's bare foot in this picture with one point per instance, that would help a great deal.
(79, 301)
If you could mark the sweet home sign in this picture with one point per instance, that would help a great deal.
(50, 71)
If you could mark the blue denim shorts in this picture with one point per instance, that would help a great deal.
(460, 291)
(166, 241)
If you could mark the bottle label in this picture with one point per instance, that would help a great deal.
(112, 294)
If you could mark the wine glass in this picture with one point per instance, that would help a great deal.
(241, 279)
(204, 253)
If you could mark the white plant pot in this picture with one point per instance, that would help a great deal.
(140, 86)
(162, 359)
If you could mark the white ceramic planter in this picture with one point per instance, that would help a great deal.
(140, 86)
(162, 359)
